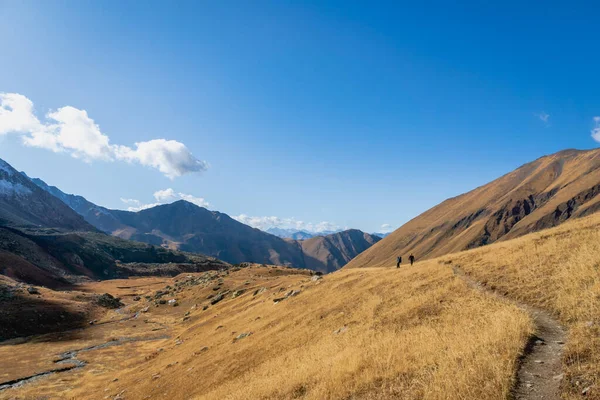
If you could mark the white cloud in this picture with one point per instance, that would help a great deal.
(596, 129)
(386, 228)
(72, 131)
(264, 223)
(199, 201)
(164, 197)
(544, 117)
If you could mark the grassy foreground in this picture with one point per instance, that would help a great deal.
(412, 333)
(558, 270)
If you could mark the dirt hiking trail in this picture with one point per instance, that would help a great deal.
(539, 374)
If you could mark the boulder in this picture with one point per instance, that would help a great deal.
(107, 300)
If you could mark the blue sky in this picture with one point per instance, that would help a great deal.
(354, 113)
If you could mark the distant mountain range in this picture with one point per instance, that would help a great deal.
(183, 226)
(381, 235)
(44, 241)
(540, 194)
(290, 233)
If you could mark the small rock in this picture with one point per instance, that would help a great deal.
(173, 302)
(32, 290)
(137, 298)
(145, 309)
(540, 342)
(155, 376)
(218, 298)
(558, 377)
(162, 301)
(341, 330)
(316, 278)
(237, 293)
(242, 336)
(538, 362)
(205, 307)
(259, 291)
(586, 390)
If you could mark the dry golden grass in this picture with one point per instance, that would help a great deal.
(558, 270)
(413, 333)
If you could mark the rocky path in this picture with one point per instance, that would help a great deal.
(539, 373)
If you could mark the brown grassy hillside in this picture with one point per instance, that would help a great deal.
(558, 270)
(416, 333)
(541, 194)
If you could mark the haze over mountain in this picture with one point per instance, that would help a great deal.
(187, 227)
(290, 233)
(541, 194)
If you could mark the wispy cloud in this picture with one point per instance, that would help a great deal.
(71, 130)
(265, 223)
(386, 228)
(596, 129)
(164, 197)
(544, 117)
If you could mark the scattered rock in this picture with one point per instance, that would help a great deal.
(242, 336)
(109, 301)
(259, 291)
(219, 297)
(341, 330)
(237, 293)
(173, 302)
(291, 293)
(162, 301)
(32, 290)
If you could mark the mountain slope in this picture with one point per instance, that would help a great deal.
(22, 203)
(44, 241)
(185, 226)
(538, 195)
(336, 250)
(100, 217)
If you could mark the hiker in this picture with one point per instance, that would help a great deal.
(398, 262)
(412, 259)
